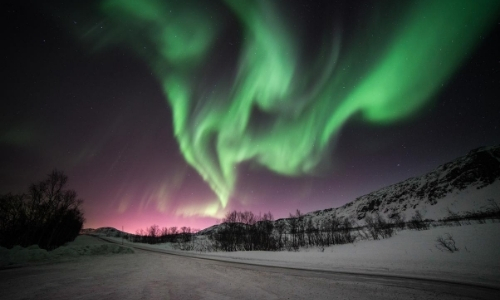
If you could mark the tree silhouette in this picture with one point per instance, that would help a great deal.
(49, 215)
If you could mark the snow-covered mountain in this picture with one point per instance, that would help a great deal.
(467, 184)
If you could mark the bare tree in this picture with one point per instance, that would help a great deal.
(153, 233)
(280, 228)
(173, 230)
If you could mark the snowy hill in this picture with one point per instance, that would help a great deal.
(104, 231)
(463, 185)
(466, 185)
(208, 230)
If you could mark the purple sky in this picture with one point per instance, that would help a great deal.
(102, 118)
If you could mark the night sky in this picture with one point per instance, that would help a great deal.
(175, 112)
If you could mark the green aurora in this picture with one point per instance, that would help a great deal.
(274, 106)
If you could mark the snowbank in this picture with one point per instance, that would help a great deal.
(82, 246)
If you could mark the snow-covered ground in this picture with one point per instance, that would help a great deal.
(152, 275)
(408, 253)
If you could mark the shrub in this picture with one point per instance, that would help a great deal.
(446, 243)
(417, 222)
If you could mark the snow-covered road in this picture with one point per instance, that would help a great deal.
(151, 275)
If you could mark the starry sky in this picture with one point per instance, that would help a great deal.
(175, 112)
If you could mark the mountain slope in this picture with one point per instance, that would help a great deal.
(465, 184)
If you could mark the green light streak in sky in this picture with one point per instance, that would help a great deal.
(302, 109)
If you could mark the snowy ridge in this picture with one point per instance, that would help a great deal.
(105, 231)
(208, 230)
(463, 185)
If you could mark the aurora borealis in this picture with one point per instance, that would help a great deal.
(173, 112)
